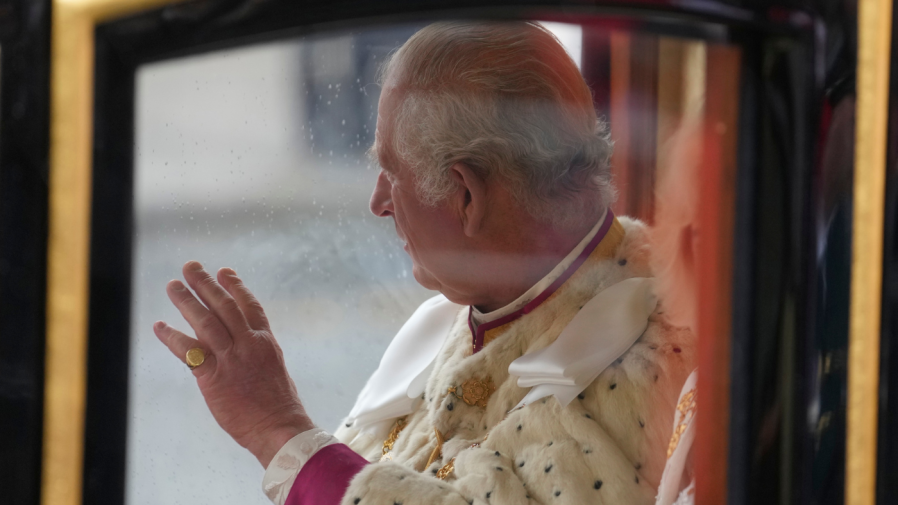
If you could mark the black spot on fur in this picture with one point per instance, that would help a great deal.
(653, 347)
(357, 500)
(401, 477)
(434, 471)
(622, 262)
(587, 451)
(637, 479)
(550, 443)
(450, 406)
(641, 423)
(488, 493)
(519, 427)
(587, 416)
(612, 386)
(619, 360)
(521, 464)
(597, 484)
(638, 466)
(549, 468)
(656, 377)
(397, 503)
(497, 453)
(499, 469)
(557, 493)
(471, 501)
(581, 396)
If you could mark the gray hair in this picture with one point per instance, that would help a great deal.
(508, 101)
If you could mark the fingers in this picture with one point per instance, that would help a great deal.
(216, 298)
(209, 329)
(179, 343)
(251, 307)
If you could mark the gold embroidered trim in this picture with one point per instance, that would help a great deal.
(437, 451)
(387, 454)
(474, 391)
(447, 470)
(686, 408)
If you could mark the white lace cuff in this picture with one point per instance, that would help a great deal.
(286, 464)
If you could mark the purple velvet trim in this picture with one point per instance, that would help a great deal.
(324, 479)
(532, 304)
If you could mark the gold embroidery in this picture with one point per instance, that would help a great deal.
(437, 451)
(447, 470)
(474, 391)
(686, 408)
(493, 334)
(387, 454)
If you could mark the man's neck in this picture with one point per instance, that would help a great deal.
(524, 258)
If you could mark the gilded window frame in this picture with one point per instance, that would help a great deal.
(72, 63)
(873, 67)
(68, 245)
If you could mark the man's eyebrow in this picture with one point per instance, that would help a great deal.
(371, 153)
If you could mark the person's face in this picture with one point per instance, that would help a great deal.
(430, 233)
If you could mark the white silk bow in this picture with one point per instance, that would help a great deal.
(600, 333)
(400, 378)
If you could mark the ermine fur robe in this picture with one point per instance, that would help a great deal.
(608, 446)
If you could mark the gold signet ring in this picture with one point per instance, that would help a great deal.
(195, 357)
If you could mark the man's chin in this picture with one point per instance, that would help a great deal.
(425, 278)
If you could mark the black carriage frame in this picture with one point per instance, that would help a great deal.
(782, 91)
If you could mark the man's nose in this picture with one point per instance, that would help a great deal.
(381, 203)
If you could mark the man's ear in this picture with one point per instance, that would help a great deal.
(469, 198)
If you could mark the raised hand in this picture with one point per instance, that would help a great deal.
(243, 378)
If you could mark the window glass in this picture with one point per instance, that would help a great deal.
(254, 158)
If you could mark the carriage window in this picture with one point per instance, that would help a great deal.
(255, 158)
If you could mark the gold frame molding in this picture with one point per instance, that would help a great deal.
(871, 120)
(71, 134)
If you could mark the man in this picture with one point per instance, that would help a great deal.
(543, 373)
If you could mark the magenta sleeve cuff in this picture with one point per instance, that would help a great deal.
(324, 479)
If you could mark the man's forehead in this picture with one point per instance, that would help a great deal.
(380, 151)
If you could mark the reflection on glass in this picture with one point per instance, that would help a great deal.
(254, 158)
